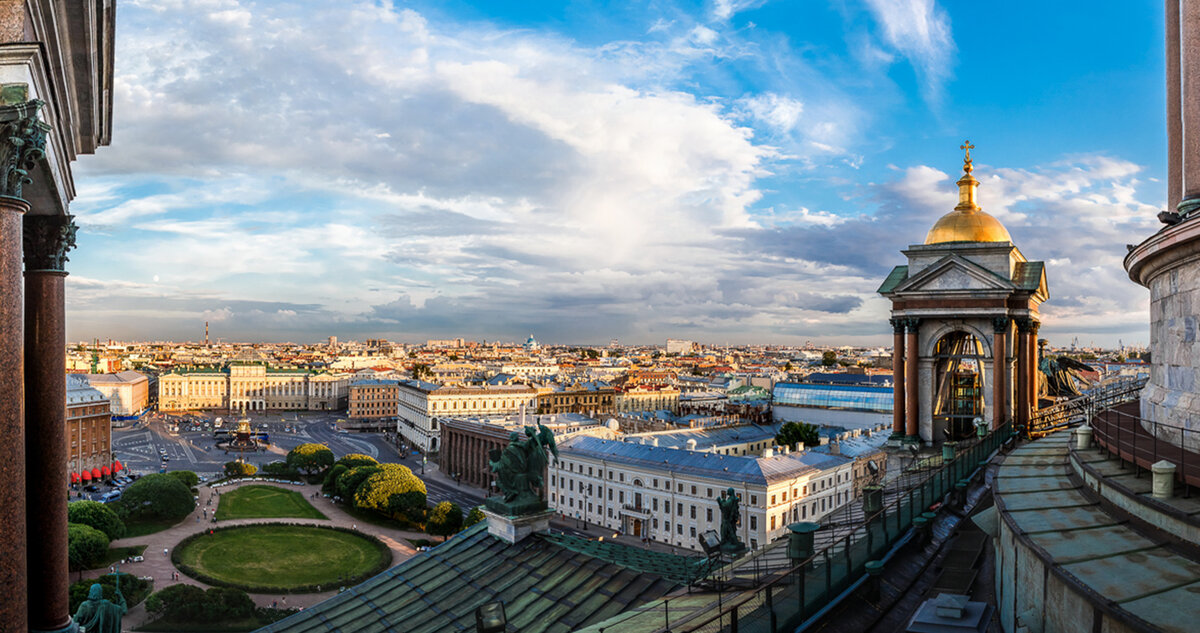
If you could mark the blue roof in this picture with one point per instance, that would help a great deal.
(757, 470)
(722, 436)
(848, 379)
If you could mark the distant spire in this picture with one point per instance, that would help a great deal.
(967, 184)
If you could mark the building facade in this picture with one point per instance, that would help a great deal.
(646, 397)
(422, 405)
(670, 495)
(89, 430)
(128, 392)
(373, 400)
(252, 386)
(581, 397)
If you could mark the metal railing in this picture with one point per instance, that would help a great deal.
(1074, 411)
(794, 597)
(1142, 443)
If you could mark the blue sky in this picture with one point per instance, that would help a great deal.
(740, 171)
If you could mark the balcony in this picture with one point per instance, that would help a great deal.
(635, 510)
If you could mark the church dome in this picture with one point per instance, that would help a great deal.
(967, 222)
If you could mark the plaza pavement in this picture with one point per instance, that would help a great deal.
(159, 567)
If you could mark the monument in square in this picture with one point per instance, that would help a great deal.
(520, 472)
(965, 322)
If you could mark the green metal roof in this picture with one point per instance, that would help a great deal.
(898, 274)
(1028, 275)
(547, 584)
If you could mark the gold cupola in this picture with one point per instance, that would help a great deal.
(967, 222)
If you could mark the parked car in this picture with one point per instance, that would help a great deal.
(91, 488)
(137, 559)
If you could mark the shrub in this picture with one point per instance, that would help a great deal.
(329, 486)
(97, 515)
(189, 478)
(86, 546)
(178, 602)
(446, 519)
(474, 516)
(349, 482)
(240, 469)
(281, 470)
(157, 496)
(225, 603)
(134, 589)
(310, 458)
(389, 479)
(357, 459)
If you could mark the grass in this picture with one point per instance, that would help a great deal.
(115, 554)
(265, 502)
(143, 528)
(279, 557)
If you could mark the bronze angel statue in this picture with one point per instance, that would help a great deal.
(520, 468)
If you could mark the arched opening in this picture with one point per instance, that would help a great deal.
(958, 385)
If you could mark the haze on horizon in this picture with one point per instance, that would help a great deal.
(741, 171)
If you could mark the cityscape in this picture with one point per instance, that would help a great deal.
(625, 317)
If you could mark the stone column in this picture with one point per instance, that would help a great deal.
(1032, 383)
(1174, 107)
(12, 420)
(1189, 37)
(47, 240)
(1023, 373)
(897, 377)
(22, 147)
(911, 380)
(1000, 327)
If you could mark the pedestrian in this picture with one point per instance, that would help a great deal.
(164, 551)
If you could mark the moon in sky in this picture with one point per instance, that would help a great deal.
(156, 278)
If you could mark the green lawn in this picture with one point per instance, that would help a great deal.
(282, 557)
(264, 502)
(115, 554)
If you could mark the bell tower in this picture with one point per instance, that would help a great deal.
(965, 321)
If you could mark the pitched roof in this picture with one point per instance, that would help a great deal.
(898, 274)
(1028, 275)
(544, 585)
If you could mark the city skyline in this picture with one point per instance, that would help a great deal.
(724, 172)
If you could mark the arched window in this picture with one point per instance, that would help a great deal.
(958, 385)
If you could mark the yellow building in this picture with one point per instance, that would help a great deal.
(253, 386)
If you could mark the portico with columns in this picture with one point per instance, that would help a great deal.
(964, 321)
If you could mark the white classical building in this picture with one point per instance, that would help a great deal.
(670, 494)
(422, 404)
(128, 392)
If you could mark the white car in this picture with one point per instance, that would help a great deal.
(137, 559)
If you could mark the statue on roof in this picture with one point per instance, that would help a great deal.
(730, 517)
(520, 471)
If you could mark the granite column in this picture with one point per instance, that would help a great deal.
(911, 381)
(13, 578)
(1174, 107)
(897, 378)
(1189, 38)
(999, 371)
(47, 240)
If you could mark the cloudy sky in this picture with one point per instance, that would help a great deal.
(727, 171)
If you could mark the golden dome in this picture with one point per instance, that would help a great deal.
(967, 222)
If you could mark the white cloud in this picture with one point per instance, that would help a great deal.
(919, 30)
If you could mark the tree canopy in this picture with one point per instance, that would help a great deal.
(240, 469)
(310, 458)
(189, 478)
(829, 359)
(793, 432)
(349, 482)
(388, 479)
(445, 519)
(157, 496)
(86, 546)
(474, 516)
(96, 515)
(357, 459)
(329, 486)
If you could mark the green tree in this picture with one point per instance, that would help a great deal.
(787, 366)
(310, 458)
(157, 497)
(389, 479)
(349, 482)
(474, 516)
(793, 432)
(189, 478)
(133, 588)
(86, 546)
(446, 519)
(181, 602)
(357, 459)
(97, 515)
(829, 359)
(329, 486)
(240, 469)
(421, 370)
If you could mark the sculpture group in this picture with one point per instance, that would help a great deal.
(520, 471)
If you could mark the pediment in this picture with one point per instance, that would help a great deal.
(954, 273)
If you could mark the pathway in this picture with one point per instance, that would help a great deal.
(159, 567)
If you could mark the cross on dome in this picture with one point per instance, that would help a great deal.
(967, 161)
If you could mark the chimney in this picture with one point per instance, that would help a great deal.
(835, 448)
(654, 441)
(799, 447)
(769, 453)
